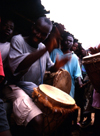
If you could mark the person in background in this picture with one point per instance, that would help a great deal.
(96, 106)
(84, 95)
(96, 98)
(75, 45)
(4, 126)
(72, 66)
(28, 59)
(6, 33)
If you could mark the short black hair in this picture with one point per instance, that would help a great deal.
(66, 34)
(75, 40)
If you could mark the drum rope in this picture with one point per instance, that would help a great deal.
(41, 72)
(41, 82)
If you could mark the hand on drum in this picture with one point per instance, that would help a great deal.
(61, 62)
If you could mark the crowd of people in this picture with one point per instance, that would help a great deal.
(26, 56)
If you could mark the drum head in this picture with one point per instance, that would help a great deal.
(62, 81)
(56, 96)
(91, 59)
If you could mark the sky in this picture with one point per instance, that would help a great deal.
(80, 17)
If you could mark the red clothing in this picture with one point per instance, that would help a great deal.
(1, 70)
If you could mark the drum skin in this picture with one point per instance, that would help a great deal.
(60, 79)
(92, 66)
(54, 113)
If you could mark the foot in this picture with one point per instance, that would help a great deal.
(85, 123)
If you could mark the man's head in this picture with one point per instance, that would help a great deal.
(7, 29)
(75, 45)
(67, 41)
(40, 30)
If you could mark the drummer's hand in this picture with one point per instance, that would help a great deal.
(52, 41)
(94, 50)
(61, 62)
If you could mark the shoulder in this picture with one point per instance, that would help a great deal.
(41, 45)
(74, 55)
(75, 58)
(18, 38)
(55, 51)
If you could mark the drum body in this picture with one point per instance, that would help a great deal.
(92, 66)
(55, 104)
(60, 79)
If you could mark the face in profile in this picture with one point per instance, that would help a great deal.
(40, 31)
(7, 28)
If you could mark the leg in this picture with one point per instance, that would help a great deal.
(36, 125)
(24, 109)
(4, 126)
(75, 116)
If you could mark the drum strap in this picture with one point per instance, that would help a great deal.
(41, 72)
(41, 82)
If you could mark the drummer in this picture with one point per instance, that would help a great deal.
(28, 60)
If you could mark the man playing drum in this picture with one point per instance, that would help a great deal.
(28, 60)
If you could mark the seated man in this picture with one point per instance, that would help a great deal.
(28, 60)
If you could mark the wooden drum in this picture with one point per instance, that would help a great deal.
(60, 79)
(92, 66)
(55, 105)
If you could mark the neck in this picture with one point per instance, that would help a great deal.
(29, 41)
(67, 51)
(3, 40)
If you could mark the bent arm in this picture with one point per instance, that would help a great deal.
(30, 59)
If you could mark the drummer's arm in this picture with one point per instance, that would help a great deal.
(79, 82)
(30, 59)
(27, 62)
(50, 44)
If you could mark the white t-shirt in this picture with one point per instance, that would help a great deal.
(18, 52)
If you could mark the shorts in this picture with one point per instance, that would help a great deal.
(24, 109)
(3, 118)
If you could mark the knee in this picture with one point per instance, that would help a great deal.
(37, 123)
(39, 120)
